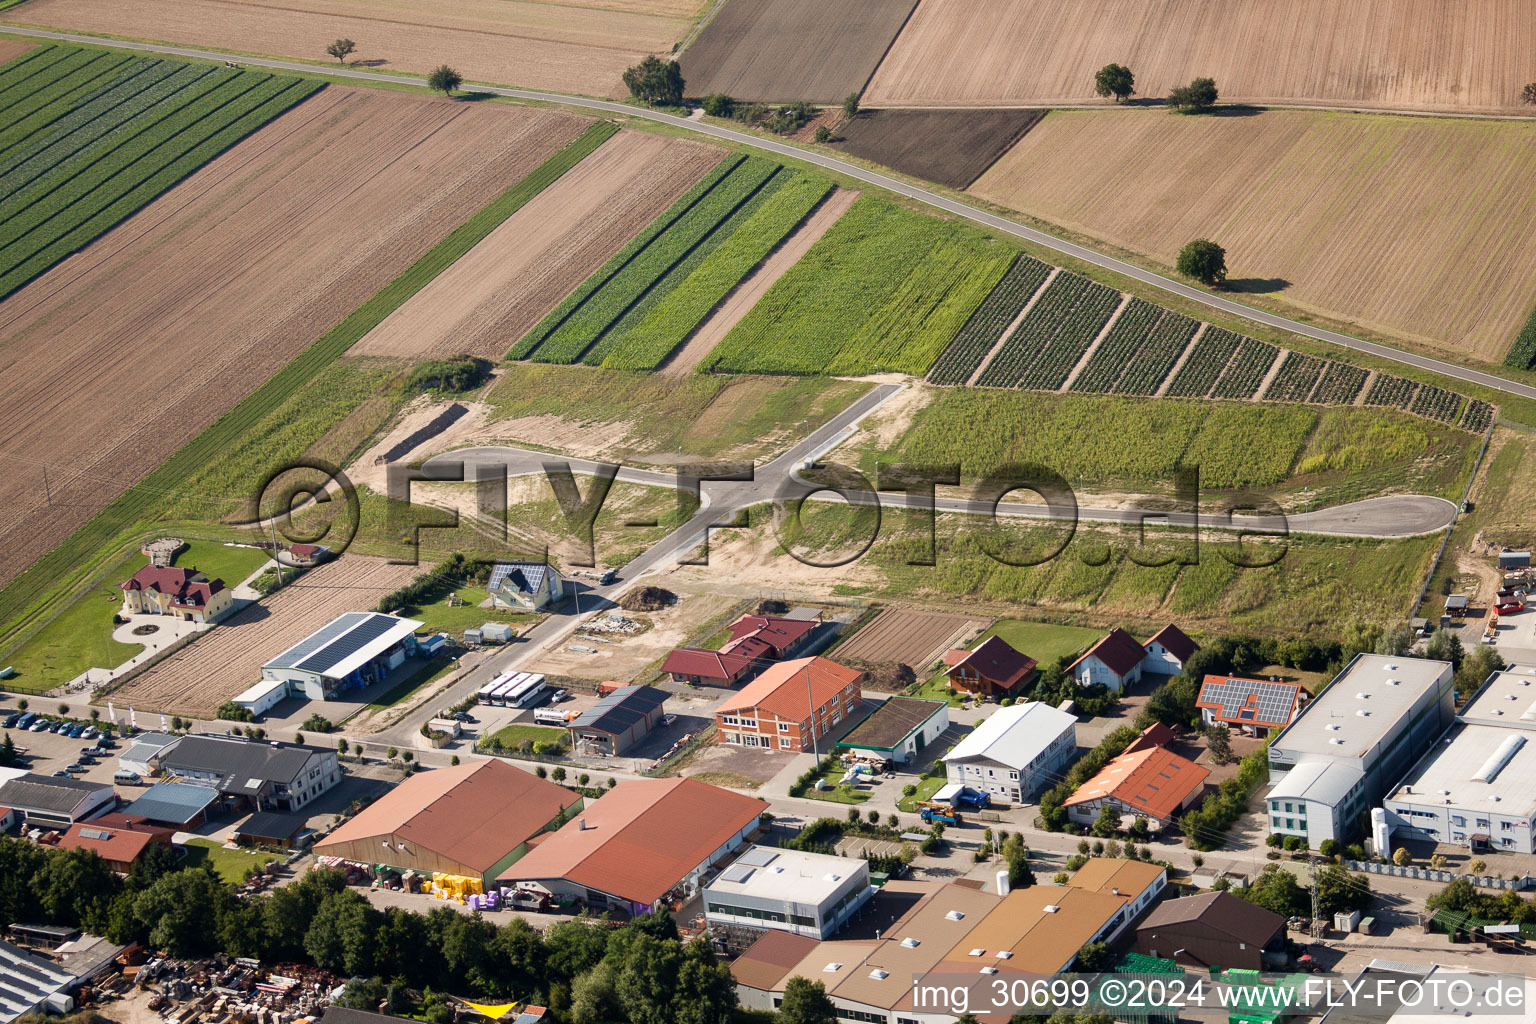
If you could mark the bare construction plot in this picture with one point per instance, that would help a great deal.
(227, 660)
(118, 356)
(910, 637)
(505, 285)
(1418, 228)
(569, 48)
(1392, 54)
(778, 50)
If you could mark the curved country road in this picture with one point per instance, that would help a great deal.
(831, 163)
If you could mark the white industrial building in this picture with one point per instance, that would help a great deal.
(1474, 787)
(352, 651)
(1015, 751)
(1338, 757)
(788, 890)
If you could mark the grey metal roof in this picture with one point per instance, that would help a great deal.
(239, 760)
(621, 709)
(176, 802)
(335, 642)
(46, 793)
(269, 825)
(26, 980)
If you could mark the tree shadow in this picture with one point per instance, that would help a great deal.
(1235, 110)
(375, 62)
(474, 97)
(1257, 285)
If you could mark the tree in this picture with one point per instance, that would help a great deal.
(454, 760)
(823, 133)
(851, 106)
(7, 751)
(1108, 821)
(806, 1002)
(1395, 641)
(1528, 94)
(1205, 261)
(1016, 856)
(1339, 892)
(655, 81)
(392, 753)
(1444, 646)
(718, 104)
(1402, 858)
(558, 774)
(1277, 891)
(1094, 957)
(444, 80)
(341, 49)
(1196, 97)
(1219, 742)
(1115, 80)
(1476, 667)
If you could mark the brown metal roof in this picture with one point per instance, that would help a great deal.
(1107, 874)
(1152, 781)
(1221, 912)
(768, 961)
(706, 664)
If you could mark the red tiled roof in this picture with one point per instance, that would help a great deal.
(1118, 650)
(126, 837)
(781, 633)
(752, 647)
(1153, 782)
(186, 587)
(995, 659)
(706, 664)
(640, 838)
(1175, 641)
(1249, 711)
(303, 550)
(783, 688)
(1155, 735)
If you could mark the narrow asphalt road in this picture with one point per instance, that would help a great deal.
(832, 163)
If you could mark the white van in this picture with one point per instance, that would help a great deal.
(124, 777)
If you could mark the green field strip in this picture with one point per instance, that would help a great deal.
(1051, 369)
(1035, 331)
(1247, 371)
(1339, 384)
(999, 309)
(121, 135)
(1296, 378)
(605, 306)
(29, 64)
(681, 270)
(1436, 404)
(1205, 363)
(44, 78)
(35, 593)
(1152, 363)
(41, 109)
(572, 302)
(680, 313)
(1118, 348)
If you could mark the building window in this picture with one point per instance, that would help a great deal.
(783, 727)
(1287, 807)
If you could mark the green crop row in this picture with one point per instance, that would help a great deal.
(1205, 363)
(1296, 379)
(1340, 384)
(607, 304)
(23, 121)
(1151, 364)
(1093, 310)
(683, 267)
(1477, 416)
(27, 78)
(1247, 370)
(676, 316)
(572, 302)
(919, 318)
(1035, 331)
(32, 595)
(1437, 404)
(1522, 354)
(1119, 346)
(999, 309)
(1394, 392)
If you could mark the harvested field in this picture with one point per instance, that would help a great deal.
(1391, 54)
(566, 48)
(910, 637)
(778, 50)
(1416, 228)
(254, 257)
(756, 284)
(226, 660)
(517, 274)
(11, 48)
(951, 147)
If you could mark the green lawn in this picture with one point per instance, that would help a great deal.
(936, 687)
(440, 618)
(433, 669)
(512, 735)
(1043, 641)
(221, 561)
(231, 865)
(77, 639)
(834, 793)
(926, 787)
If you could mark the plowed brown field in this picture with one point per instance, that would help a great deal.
(508, 42)
(1418, 228)
(227, 660)
(119, 355)
(910, 637)
(10, 49)
(1393, 54)
(505, 285)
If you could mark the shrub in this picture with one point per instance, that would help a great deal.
(317, 723)
(459, 374)
(229, 711)
(718, 104)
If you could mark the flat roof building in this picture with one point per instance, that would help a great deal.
(147, 753)
(351, 651)
(183, 805)
(808, 894)
(30, 982)
(1016, 751)
(899, 729)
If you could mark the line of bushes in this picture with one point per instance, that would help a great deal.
(453, 571)
(1522, 355)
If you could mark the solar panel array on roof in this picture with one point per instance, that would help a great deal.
(348, 644)
(95, 833)
(528, 576)
(1273, 701)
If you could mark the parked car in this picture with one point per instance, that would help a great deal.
(559, 696)
(60, 728)
(91, 732)
(668, 719)
(106, 741)
(11, 720)
(39, 725)
(61, 775)
(77, 732)
(26, 720)
(87, 759)
(123, 777)
(462, 716)
(93, 752)
(75, 769)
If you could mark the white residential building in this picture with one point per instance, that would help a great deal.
(1015, 751)
(788, 890)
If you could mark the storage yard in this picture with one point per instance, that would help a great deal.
(199, 677)
(570, 48)
(1442, 55)
(1340, 215)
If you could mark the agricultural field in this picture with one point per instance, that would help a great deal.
(1130, 331)
(267, 247)
(88, 137)
(886, 289)
(1053, 335)
(914, 638)
(1206, 361)
(990, 322)
(780, 50)
(1248, 370)
(563, 47)
(504, 286)
(1415, 229)
(221, 663)
(1296, 379)
(1443, 55)
(951, 147)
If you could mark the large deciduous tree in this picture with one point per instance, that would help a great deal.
(1115, 80)
(1205, 261)
(656, 81)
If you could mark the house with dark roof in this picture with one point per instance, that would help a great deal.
(782, 638)
(1168, 650)
(1155, 735)
(1153, 783)
(171, 590)
(992, 669)
(251, 775)
(1119, 660)
(525, 585)
(898, 729)
(47, 802)
(620, 720)
(353, 650)
(1254, 707)
(266, 828)
(119, 839)
(790, 705)
(766, 965)
(1211, 929)
(756, 642)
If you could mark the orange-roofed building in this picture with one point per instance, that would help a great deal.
(777, 708)
(638, 842)
(471, 819)
(119, 839)
(1153, 782)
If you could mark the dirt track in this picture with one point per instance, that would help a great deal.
(538, 45)
(226, 661)
(116, 357)
(1393, 54)
(504, 286)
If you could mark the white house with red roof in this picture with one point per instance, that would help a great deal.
(1120, 660)
(171, 590)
